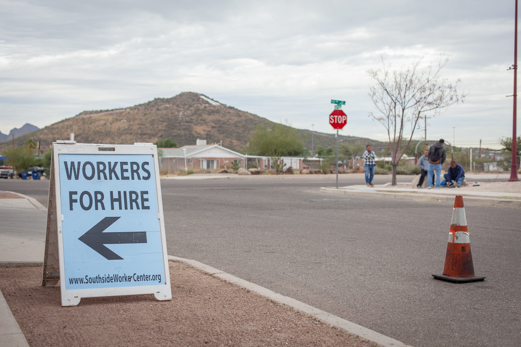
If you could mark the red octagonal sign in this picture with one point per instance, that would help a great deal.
(338, 119)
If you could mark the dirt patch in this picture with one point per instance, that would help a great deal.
(204, 311)
(6, 195)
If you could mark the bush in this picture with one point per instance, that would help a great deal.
(379, 171)
(408, 170)
(236, 165)
(325, 167)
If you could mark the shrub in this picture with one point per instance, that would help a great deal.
(380, 171)
(325, 167)
(236, 165)
(408, 170)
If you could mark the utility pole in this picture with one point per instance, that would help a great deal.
(124, 125)
(479, 156)
(454, 136)
(312, 152)
(513, 167)
(470, 170)
(108, 132)
(425, 147)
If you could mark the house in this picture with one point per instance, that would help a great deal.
(405, 160)
(491, 167)
(200, 156)
(213, 157)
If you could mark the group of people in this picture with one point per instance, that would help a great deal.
(430, 164)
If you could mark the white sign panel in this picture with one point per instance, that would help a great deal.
(111, 231)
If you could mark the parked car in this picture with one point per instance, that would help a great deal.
(4, 173)
(33, 169)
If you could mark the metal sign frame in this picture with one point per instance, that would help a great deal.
(54, 246)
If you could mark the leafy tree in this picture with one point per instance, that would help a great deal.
(403, 96)
(30, 144)
(43, 161)
(353, 150)
(324, 152)
(166, 143)
(506, 162)
(19, 158)
(276, 141)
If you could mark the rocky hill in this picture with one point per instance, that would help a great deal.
(184, 118)
(17, 132)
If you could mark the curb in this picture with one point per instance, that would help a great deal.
(422, 197)
(10, 332)
(20, 263)
(33, 201)
(299, 306)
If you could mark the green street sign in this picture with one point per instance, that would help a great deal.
(338, 104)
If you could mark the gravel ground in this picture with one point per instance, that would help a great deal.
(204, 311)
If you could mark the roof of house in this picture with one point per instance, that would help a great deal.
(214, 151)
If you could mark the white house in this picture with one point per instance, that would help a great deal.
(203, 156)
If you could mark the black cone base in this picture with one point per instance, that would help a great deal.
(458, 279)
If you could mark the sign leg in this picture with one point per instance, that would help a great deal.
(51, 261)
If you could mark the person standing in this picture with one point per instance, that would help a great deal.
(369, 163)
(437, 157)
(455, 173)
(423, 164)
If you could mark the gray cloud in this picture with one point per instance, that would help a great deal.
(280, 60)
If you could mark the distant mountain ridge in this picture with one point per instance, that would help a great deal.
(26, 128)
(184, 118)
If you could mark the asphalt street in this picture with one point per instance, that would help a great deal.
(364, 259)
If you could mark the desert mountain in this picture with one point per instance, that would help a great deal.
(17, 132)
(184, 118)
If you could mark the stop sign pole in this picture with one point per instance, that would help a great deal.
(338, 120)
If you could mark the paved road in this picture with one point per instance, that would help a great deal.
(367, 260)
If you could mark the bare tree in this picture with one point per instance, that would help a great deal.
(403, 96)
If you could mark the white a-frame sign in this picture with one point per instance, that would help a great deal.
(105, 225)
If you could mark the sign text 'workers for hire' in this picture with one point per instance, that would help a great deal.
(111, 231)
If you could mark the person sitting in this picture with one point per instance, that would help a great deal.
(456, 173)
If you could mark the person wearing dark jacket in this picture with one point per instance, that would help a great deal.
(456, 173)
(437, 157)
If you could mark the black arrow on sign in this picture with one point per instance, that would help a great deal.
(96, 239)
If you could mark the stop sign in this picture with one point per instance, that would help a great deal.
(338, 119)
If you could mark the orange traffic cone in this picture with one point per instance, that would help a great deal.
(458, 261)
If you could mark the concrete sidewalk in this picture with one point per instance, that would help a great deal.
(22, 240)
(404, 190)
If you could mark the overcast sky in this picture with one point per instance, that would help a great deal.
(282, 60)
